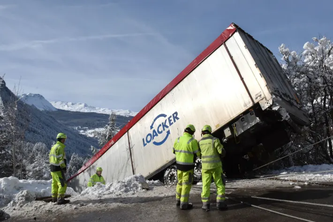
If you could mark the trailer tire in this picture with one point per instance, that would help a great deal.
(197, 171)
(170, 175)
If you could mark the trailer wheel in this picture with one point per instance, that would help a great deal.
(197, 170)
(170, 175)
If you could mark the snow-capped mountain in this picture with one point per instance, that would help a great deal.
(78, 116)
(42, 104)
(42, 127)
(83, 107)
(38, 101)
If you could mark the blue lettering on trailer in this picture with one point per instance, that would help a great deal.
(158, 130)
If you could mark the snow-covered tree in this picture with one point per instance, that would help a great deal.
(75, 163)
(311, 74)
(93, 150)
(32, 161)
(14, 121)
(6, 163)
(6, 167)
(36, 161)
(109, 130)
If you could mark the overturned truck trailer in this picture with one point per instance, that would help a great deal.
(235, 85)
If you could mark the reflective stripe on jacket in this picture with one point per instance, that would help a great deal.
(95, 179)
(185, 147)
(57, 157)
(210, 148)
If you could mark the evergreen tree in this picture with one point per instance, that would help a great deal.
(36, 161)
(93, 150)
(75, 164)
(109, 130)
(14, 121)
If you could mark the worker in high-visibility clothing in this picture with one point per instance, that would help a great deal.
(186, 148)
(211, 152)
(96, 178)
(57, 159)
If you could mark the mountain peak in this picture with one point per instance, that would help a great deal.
(38, 101)
(41, 103)
(83, 107)
(42, 127)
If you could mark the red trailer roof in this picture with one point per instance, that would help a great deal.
(209, 50)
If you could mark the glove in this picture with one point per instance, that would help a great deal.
(223, 153)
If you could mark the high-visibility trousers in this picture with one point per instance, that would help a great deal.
(184, 184)
(59, 185)
(207, 180)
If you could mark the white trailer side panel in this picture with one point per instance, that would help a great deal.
(211, 94)
(262, 61)
(267, 65)
(251, 75)
(116, 164)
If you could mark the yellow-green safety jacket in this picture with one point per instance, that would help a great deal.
(95, 179)
(57, 157)
(211, 149)
(185, 148)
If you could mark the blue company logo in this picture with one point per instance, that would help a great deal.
(160, 129)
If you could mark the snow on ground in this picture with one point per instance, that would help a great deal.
(307, 174)
(295, 177)
(17, 196)
(15, 192)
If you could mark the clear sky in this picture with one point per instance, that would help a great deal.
(119, 54)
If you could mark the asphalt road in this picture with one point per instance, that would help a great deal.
(164, 209)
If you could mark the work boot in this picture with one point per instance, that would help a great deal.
(221, 206)
(206, 207)
(62, 200)
(54, 199)
(187, 206)
(178, 203)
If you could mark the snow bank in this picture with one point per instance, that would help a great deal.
(129, 185)
(20, 196)
(15, 192)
